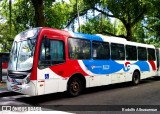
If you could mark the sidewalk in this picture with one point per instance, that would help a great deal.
(3, 87)
(3, 84)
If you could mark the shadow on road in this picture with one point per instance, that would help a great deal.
(37, 100)
(120, 85)
(7, 94)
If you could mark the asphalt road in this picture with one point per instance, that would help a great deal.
(110, 97)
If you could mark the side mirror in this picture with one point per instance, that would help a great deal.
(46, 42)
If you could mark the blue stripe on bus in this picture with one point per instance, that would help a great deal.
(87, 36)
(111, 66)
(143, 65)
(102, 66)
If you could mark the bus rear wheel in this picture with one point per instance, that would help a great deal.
(136, 78)
(74, 87)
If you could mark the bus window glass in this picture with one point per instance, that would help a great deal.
(52, 54)
(157, 56)
(26, 52)
(100, 50)
(142, 53)
(12, 57)
(117, 51)
(79, 49)
(57, 51)
(151, 54)
(131, 52)
(5, 58)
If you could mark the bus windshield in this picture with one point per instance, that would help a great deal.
(21, 56)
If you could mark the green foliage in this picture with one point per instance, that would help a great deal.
(153, 41)
(22, 15)
(127, 10)
(57, 15)
(121, 31)
(138, 33)
(5, 38)
(98, 25)
(152, 21)
(136, 20)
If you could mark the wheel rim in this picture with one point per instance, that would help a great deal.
(75, 87)
(136, 78)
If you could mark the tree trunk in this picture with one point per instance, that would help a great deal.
(129, 32)
(10, 15)
(39, 14)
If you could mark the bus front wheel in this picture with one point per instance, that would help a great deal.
(135, 78)
(74, 87)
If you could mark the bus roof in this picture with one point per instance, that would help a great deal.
(97, 37)
(111, 39)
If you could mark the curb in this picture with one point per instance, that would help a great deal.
(6, 93)
(3, 92)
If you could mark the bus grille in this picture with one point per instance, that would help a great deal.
(17, 76)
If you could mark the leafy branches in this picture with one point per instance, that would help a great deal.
(134, 20)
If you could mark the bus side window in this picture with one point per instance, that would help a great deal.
(79, 48)
(100, 50)
(52, 54)
(44, 57)
(142, 54)
(157, 56)
(117, 51)
(5, 58)
(131, 52)
(57, 52)
(151, 54)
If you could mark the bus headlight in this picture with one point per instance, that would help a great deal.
(27, 79)
(8, 78)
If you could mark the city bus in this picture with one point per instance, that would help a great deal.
(158, 61)
(46, 60)
(4, 56)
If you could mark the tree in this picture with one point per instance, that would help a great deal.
(139, 34)
(23, 15)
(39, 12)
(152, 20)
(132, 17)
(98, 25)
(10, 15)
(58, 14)
(5, 38)
(5, 26)
(129, 12)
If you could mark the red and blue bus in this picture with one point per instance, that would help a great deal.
(46, 60)
(4, 57)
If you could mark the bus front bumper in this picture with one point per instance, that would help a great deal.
(27, 89)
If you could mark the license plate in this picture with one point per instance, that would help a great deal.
(16, 88)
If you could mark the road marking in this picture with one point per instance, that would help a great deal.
(135, 87)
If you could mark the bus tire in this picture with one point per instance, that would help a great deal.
(136, 78)
(74, 87)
